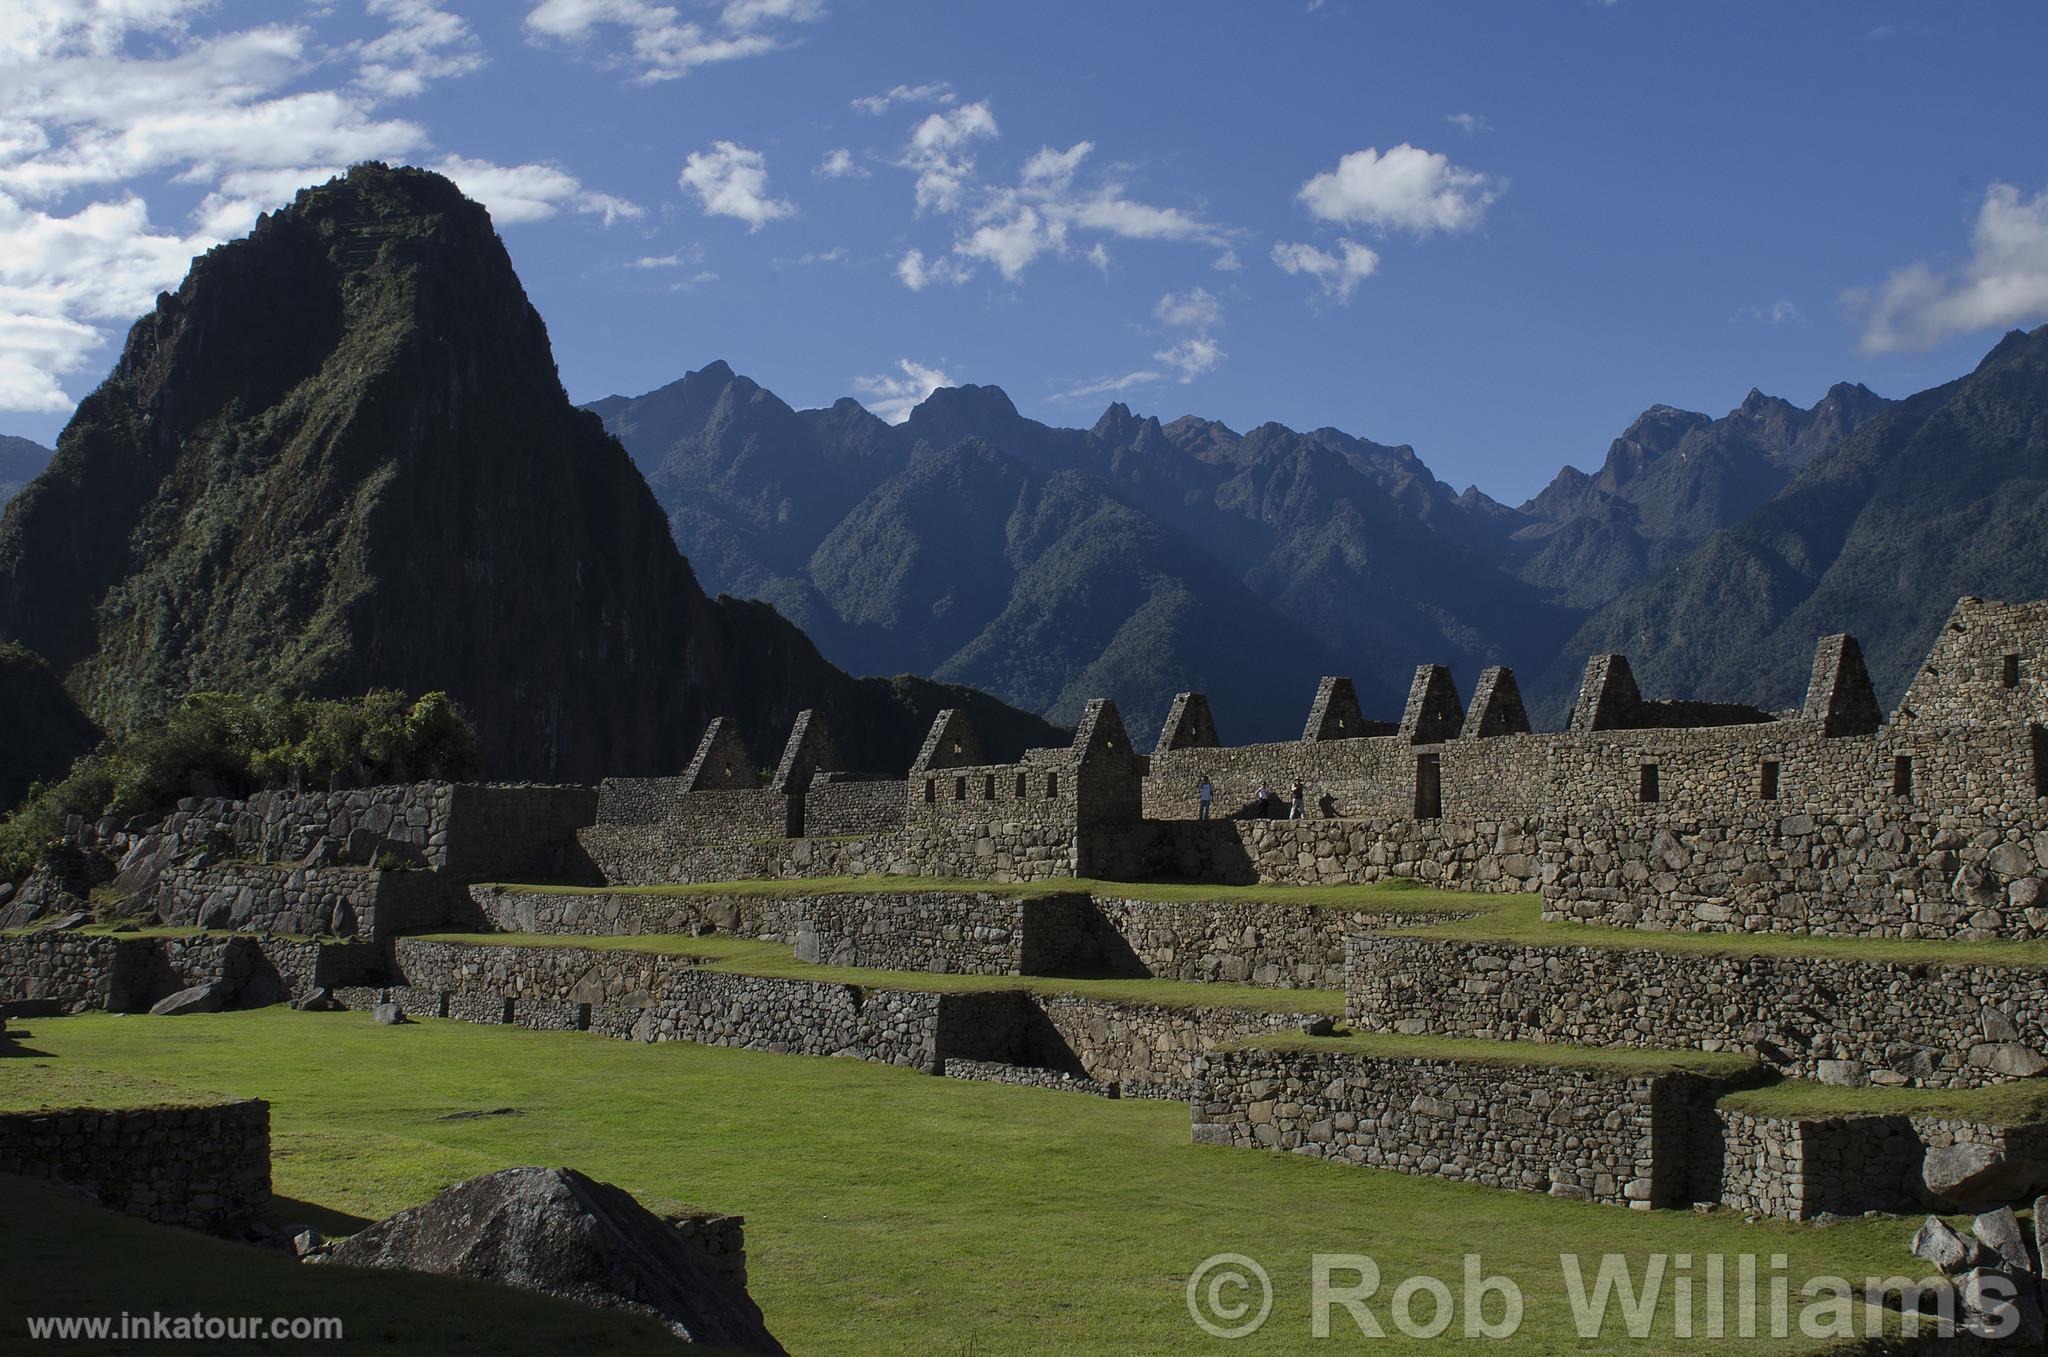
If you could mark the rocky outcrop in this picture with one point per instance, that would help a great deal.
(560, 1233)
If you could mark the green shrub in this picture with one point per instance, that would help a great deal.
(232, 744)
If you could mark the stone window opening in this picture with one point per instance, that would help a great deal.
(960, 788)
(1021, 793)
(2010, 671)
(1052, 785)
(956, 747)
(1767, 786)
(1902, 776)
(1429, 787)
(2040, 760)
(1646, 786)
(931, 790)
(988, 788)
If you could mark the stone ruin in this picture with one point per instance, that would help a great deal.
(1644, 816)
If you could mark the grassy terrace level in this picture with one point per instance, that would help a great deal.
(31, 1085)
(2022, 1103)
(1619, 1062)
(1382, 897)
(772, 960)
(1516, 921)
(889, 1214)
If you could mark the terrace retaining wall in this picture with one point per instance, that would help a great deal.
(203, 1167)
(1841, 1020)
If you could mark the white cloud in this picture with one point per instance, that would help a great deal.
(875, 105)
(1012, 227)
(838, 254)
(103, 263)
(660, 43)
(954, 128)
(892, 397)
(732, 181)
(425, 43)
(918, 273)
(2003, 283)
(1106, 386)
(839, 164)
(1337, 275)
(119, 92)
(746, 14)
(1407, 189)
(531, 192)
(1197, 308)
(1471, 124)
(1012, 244)
(1192, 357)
(1227, 262)
(1779, 312)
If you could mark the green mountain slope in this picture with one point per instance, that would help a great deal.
(1944, 495)
(339, 457)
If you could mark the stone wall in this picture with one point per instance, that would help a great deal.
(1142, 1050)
(1146, 1049)
(1796, 1168)
(74, 972)
(1485, 855)
(1585, 1134)
(653, 855)
(705, 816)
(836, 804)
(1843, 1020)
(1900, 873)
(337, 901)
(203, 1167)
(1233, 942)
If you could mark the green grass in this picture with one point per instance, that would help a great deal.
(39, 1086)
(1385, 897)
(889, 1214)
(773, 960)
(1622, 1062)
(2015, 1104)
(1518, 922)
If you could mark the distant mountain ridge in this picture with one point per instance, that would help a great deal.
(21, 461)
(1136, 558)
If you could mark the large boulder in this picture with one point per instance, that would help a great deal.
(1969, 1176)
(198, 999)
(563, 1234)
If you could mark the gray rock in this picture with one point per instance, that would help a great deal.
(1848, 1073)
(2000, 1234)
(389, 1014)
(309, 1242)
(1975, 1176)
(2008, 1058)
(1320, 1027)
(1937, 1243)
(315, 1001)
(560, 1233)
(145, 862)
(1993, 1305)
(198, 999)
(2011, 859)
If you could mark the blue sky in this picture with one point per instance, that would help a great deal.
(1493, 231)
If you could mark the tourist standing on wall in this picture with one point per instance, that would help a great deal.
(1203, 793)
(1265, 800)
(1297, 802)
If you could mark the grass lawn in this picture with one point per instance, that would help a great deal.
(1620, 1061)
(1517, 922)
(2016, 1104)
(887, 1212)
(754, 956)
(1382, 897)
